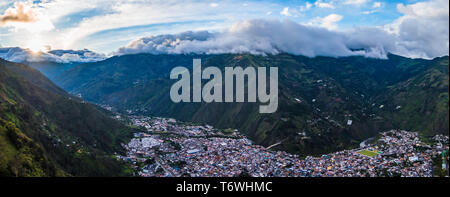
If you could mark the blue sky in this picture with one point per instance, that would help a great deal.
(104, 26)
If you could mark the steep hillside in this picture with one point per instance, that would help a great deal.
(420, 102)
(21, 156)
(55, 133)
(317, 96)
(52, 70)
(34, 76)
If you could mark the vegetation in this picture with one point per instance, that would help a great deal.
(45, 133)
(368, 153)
(317, 96)
(21, 156)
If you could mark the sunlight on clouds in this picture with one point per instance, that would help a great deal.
(105, 26)
(27, 20)
(285, 12)
(23, 16)
(36, 44)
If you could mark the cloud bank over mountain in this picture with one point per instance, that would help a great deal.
(422, 32)
(16, 54)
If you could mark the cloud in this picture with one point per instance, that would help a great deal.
(274, 36)
(74, 24)
(376, 7)
(251, 36)
(21, 12)
(16, 54)
(24, 16)
(321, 4)
(328, 22)
(423, 30)
(377, 4)
(306, 7)
(285, 12)
(356, 2)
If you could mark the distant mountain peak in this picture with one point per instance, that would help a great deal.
(17, 54)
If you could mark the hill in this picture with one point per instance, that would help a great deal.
(325, 104)
(47, 133)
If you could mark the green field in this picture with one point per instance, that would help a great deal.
(368, 153)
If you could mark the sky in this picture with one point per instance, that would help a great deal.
(312, 27)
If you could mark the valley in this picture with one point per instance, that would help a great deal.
(201, 88)
(325, 104)
(170, 148)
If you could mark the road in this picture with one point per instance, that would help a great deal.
(363, 143)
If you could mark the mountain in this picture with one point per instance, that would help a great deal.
(420, 102)
(50, 69)
(45, 132)
(20, 55)
(51, 63)
(325, 104)
(35, 77)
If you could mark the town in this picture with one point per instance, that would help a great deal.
(170, 148)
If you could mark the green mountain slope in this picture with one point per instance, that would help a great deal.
(317, 96)
(35, 77)
(21, 156)
(420, 102)
(74, 137)
(51, 70)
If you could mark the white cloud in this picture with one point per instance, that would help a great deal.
(251, 36)
(24, 16)
(274, 36)
(423, 30)
(16, 54)
(306, 7)
(285, 12)
(369, 11)
(376, 7)
(356, 2)
(377, 4)
(328, 22)
(261, 37)
(213, 5)
(21, 12)
(321, 4)
(112, 15)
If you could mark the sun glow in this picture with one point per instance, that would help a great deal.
(37, 46)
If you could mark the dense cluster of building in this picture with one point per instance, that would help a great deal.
(171, 148)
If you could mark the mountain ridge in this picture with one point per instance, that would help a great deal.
(331, 92)
(75, 138)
